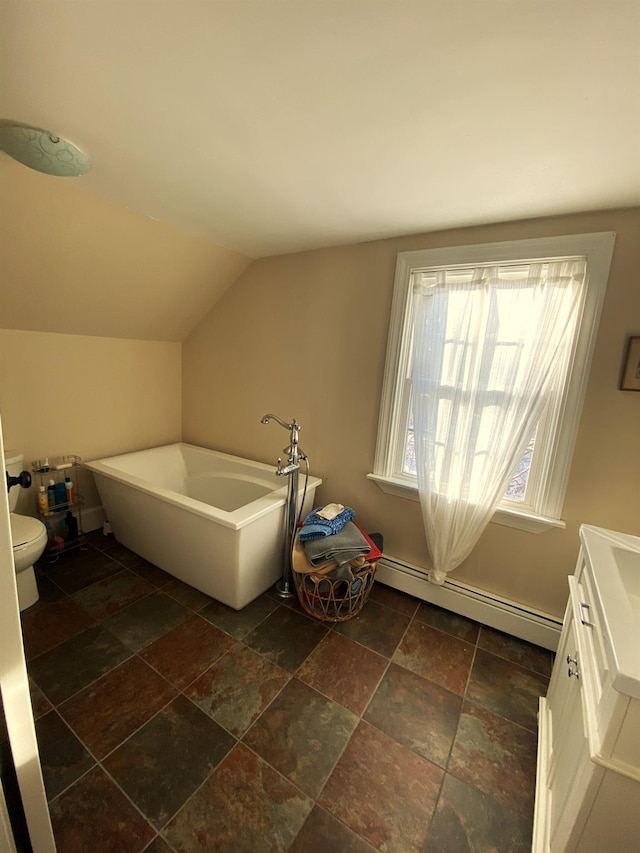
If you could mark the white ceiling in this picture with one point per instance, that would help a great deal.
(271, 126)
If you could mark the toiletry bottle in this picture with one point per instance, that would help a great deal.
(43, 500)
(71, 495)
(72, 526)
(61, 494)
(49, 538)
(51, 493)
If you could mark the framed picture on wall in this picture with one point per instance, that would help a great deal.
(630, 378)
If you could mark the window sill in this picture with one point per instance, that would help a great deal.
(520, 519)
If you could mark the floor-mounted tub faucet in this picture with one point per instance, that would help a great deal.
(295, 454)
(293, 451)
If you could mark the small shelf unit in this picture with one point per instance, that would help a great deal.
(61, 540)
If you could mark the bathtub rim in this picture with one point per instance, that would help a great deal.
(235, 520)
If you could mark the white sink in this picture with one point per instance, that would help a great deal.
(614, 559)
(628, 563)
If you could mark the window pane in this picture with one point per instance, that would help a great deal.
(516, 489)
(409, 466)
(540, 481)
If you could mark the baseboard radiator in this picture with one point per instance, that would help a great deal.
(500, 613)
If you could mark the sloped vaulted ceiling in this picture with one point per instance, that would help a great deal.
(74, 263)
(272, 126)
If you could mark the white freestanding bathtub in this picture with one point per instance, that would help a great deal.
(212, 520)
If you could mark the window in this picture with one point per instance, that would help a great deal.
(533, 499)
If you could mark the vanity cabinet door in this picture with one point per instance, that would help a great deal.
(588, 791)
(571, 773)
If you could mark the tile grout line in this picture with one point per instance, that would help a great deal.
(179, 692)
(237, 740)
(98, 764)
(359, 718)
(73, 695)
(314, 800)
(291, 676)
(481, 707)
(444, 769)
(70, 595)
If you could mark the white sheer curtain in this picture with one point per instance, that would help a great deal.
(485, 349)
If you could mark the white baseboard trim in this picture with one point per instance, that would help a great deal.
(93, 517)
(500, 613)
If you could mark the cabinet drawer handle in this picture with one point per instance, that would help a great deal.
(574, 672)
(584, 614)
(571, 660)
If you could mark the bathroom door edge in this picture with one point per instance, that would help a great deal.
(16, 698)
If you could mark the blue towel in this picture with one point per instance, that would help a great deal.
(314, 527)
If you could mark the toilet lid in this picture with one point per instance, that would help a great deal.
(24, 529)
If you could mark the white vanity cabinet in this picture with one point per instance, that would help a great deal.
(588, 782)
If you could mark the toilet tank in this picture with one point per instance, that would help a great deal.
(13, 464)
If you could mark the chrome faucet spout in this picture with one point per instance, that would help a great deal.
(292, 450)
(284, 424)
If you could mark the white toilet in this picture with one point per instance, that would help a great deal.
(29, 536)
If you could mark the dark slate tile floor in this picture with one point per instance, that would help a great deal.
(168, 722)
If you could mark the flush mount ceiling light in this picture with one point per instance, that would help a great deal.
(42, 150)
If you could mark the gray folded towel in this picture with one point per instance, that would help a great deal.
(340, 547)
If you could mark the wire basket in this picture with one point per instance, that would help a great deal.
(335, 601)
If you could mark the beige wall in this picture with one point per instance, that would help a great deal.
(305, 335)
(75, 263)
(86, 395)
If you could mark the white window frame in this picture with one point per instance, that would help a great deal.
(558, 426)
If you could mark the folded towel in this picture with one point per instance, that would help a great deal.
(329, 511)
(302, 566)
(341, 547)
(315, 527)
